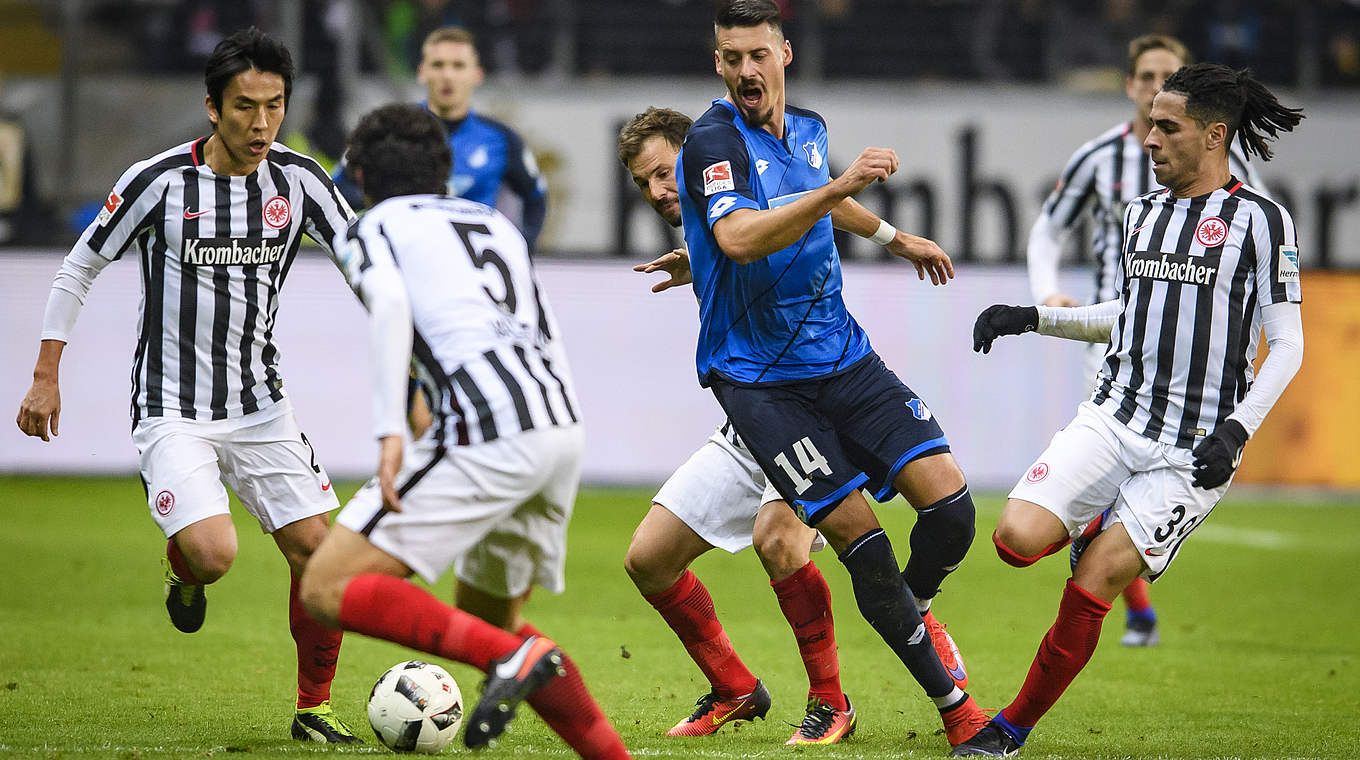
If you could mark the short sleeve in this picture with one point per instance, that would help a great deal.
(715, 163)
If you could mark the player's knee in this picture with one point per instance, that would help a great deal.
(950, 520)
(211, 561)
(783, 552)
(647, 570)
(1006, 543)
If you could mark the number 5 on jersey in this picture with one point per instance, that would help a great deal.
(810, 460)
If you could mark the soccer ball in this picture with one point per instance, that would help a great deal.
(415, 707)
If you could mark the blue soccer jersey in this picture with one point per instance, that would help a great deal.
(780, 319)
(489, 161)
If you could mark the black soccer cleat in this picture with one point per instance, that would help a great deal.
(509, 681)
(186, 603)
(991, 741)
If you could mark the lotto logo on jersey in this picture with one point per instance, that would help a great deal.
(1289, 263)
(110, 206)
(718, 178)
(276, 212)
(1211, 232)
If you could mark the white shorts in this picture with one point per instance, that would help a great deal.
(1097, 462)
(497, 511)
(718, 491)
(263, 456)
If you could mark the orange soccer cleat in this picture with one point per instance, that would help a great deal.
(947, 649)
(824, 724)
(714, 712)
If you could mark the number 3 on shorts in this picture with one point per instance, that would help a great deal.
(809, 459)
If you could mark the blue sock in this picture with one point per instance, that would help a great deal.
(1148, 615)
(1018, 733)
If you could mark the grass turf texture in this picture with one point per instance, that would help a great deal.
(1259, 655)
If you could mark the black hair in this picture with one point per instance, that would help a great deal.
(246, 49)
(400, 149)
(1214, 92)
(735, 13)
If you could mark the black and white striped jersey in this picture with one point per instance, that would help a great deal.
(1193, 277)
(214, 251)
(1099, 181)
(485, 341)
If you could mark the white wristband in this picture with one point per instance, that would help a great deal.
(885, 234)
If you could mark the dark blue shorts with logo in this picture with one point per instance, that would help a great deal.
(818, 440)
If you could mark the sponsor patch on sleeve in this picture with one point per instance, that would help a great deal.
(110, 206)
(718, 178)
(1289, 263)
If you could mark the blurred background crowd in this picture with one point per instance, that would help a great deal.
(1312, 48)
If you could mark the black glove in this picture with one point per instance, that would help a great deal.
(998, 320)
(1218, 455)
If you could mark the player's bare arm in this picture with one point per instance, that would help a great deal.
(42, 403)
(675, 264)
(389, 464)
(748, 235)
(928, 258)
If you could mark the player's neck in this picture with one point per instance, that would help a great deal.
(221, 160)
(1206, 182)
(451, 113)
(1141, 127)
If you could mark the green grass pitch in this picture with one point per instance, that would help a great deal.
(1260, 655)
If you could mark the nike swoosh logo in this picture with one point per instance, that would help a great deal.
(510, 668)
(326, 487)
(807, 623)
(958, 674)
(1154, 552)
(1136, 230)
(194, 214)
(718, 720)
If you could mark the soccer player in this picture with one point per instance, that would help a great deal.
(1099, 181)
(816, 407)
(489, 487)
(714, 500)
(216, 223)
(491, 164)
(1206, 263)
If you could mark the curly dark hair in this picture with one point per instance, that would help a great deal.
(246, 49)
(1216, 93)
(399, 149)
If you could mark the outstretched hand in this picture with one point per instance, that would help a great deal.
(926, 255)
(389, 464)
(998, 320)
(675, 264)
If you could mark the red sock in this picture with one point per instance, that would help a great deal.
(1136, 595)
(806, 602)
(1064, 651)
(317, 649)
(390, 608)
(567, 707)
(180, 566)
(688, 610)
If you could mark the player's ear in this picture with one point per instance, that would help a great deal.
(213, 115)
(717, 63)
(788, 53)
(1215, 136)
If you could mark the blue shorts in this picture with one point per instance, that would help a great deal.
(820, 439)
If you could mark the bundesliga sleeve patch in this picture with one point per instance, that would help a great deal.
(110, 206)
(1289, 263)
(718, 178)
